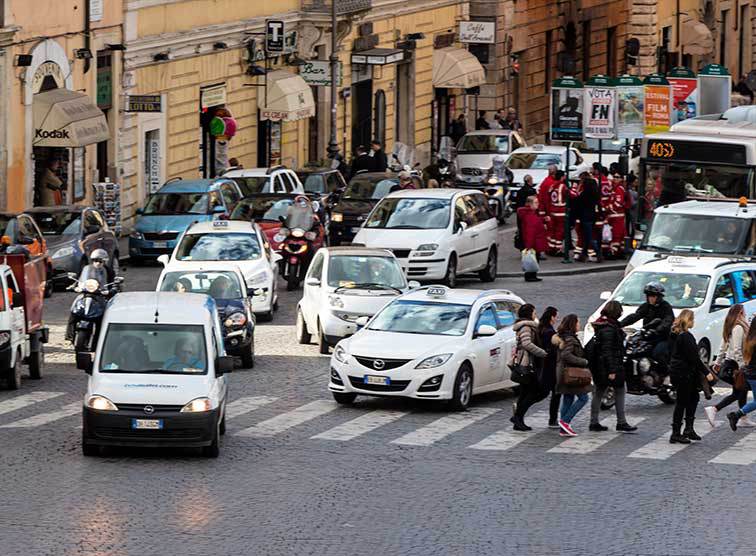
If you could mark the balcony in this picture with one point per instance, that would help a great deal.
(343, 7)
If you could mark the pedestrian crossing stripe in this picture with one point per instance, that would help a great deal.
(20, 402)
(508, 439)
(742, 453)
(46, 418)
(443, 427)
(587, 443)
(361, 425)
(661, 448)
(285, 421)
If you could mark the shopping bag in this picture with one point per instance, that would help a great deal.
(606, 233)
(529, 260)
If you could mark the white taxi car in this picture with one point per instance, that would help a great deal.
(436, 234)
(708, 286)
(431, 343)
(342, 285)
(233, 241)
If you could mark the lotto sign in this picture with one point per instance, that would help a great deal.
(598, 117)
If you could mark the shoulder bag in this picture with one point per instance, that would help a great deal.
(522, 374)
(740, 380)
(576, 376)
(727, 371)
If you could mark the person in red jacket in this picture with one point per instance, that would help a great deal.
(552, 205)
(532, 231)
(616, 210)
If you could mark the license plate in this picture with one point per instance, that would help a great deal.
(379, 380)
(355, 230)
(147, 424)
(160, 244)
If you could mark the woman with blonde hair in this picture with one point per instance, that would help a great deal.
(686, 370)
(749, 353)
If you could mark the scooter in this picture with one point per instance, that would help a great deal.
(297, 253)
(88, 309)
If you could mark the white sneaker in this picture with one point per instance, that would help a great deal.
(711, 414)
(746, 422)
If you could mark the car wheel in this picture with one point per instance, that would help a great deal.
(81, 341)
(463, 385)
(322, 344)
(303, 337)
(704, 351)
(89, 450)
(37, 362)
(451, 272)
(14, 374)
(344, 398)
(222, 428)
(488, 274)
(213, 450)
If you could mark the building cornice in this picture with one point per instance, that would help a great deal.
(8, 35)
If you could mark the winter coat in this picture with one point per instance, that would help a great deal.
(527, 350)
(380, 161)
(662, 311)
(547, 374)
(587, 204)
(686, 365)
(570, 355)
(532, 229)
(523, 194)
(610, 353)
(362, 162)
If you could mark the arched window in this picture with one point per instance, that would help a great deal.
(379, 116)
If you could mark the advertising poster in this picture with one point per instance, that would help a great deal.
(714, 88)
(684, 98)
(567, 111)
(630, 112)
(657, 109)
(598, 120)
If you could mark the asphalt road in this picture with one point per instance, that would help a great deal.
(299, 475)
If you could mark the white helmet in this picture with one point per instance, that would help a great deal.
(99, 254)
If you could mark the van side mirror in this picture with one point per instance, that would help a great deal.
(361, 322)
(460, 227)
(84, 362)
(224, 364)
(163, 259)
(219, 209)
(315, 282)
(413, 284)
(17, 299)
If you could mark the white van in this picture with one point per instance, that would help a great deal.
(158, 375)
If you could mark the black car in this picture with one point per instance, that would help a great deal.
(321, 182)
(349, 211)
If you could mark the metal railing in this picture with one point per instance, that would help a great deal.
(343, 7)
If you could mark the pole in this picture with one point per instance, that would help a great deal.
(568, 202)
(601, 151)
(269, 122)
(333, 143)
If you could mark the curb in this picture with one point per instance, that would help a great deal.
(568, 271)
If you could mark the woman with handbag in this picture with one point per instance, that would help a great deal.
(729, 360)
(526, 358)
(749, 370)
(609, 368)
(547, 377)
(572, 375)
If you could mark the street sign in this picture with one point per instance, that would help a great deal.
(274, 35)
(144, 103)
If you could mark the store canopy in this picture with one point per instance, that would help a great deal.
(695, 37)
(455, 68)
(64, 118)
(289, 97)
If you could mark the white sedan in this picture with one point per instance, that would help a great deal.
(431, 343)
(233, 241)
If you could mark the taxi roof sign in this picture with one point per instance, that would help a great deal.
(436, 291)
(220, 223)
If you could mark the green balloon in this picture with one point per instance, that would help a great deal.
(217, 126)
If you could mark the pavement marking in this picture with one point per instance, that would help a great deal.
(661, 449)
(361, 425)
(507, 439)
(588, 442)
(443, 427)
(20, 402)
(242, 406)
(285, 421)
(45, 418)
(742, 453)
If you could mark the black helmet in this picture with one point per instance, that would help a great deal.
(654, 288)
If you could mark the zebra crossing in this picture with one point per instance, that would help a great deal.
(406, 429)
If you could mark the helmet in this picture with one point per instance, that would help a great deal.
(498, 159)
(654, 288)
(99, 254)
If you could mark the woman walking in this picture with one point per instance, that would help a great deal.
(686, 370)
(749, 355)
(527, 354)
(729, 359)
(609, 368)
(547, 377)
(570, 354)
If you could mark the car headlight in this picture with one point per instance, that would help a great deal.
(63, 252)
(644, 365)
(235, 320)
(427, 247)
(434, 361)
(335, 301)
(337, 217)
(4, 338)
(311, 236)
(197, 405)
(259, 278)
(136, 235)
(100, 403)
(347, 317)
(91, 285)
(340, 354)
(493, 180)
(298, 232)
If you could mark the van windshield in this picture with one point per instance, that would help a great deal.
(697, 233)
(154, 349)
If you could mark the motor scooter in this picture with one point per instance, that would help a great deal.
(88, 308)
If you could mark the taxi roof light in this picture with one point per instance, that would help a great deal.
(743, 202)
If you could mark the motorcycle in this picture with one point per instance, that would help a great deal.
(499, 196)
(297, 234)
(88, 309)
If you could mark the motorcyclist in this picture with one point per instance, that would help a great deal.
(657, 318)
(500, 171)
(300, 214)
(97, 269)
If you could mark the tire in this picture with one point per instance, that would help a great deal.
(669, 397)
(322, 344)
(13, 377)
(462, 389)
(88, 450)
(450, 279)
(292, 280)
(344, 398)
(488, 274)
(303, 337)
(213, 450)
(704, 351)
(248, 355)
(222, 427)
(37, 362)
(608, 401)
(81, 340)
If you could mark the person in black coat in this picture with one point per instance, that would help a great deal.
(380, 161)
(527, 190)
(608, 366)
(657, 316)
(458, 128)
(587, 207)
(362, 162)
(547, 371)
(481, 122)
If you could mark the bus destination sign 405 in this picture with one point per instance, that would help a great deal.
(661, 149)
(673, 150)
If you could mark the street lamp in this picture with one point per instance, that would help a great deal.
(333, 145)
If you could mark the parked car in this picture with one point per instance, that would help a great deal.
(72, 233)
(476, 150)
(276, 179)
(352, 207)
(536, 159)
(176, 205)
(21, 230)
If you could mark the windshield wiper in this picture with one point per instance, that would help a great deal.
(405, 227)
(654, 247)
(368, 285)
(691, 248)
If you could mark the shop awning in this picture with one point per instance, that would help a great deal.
(695, 37)
(64, 118)
(289, 97)
(378, 56)
(455, 68)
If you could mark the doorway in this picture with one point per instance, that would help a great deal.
(362, 113)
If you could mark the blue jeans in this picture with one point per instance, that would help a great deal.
(750, 406)
(571, 404)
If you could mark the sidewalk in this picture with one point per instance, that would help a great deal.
(510, 262)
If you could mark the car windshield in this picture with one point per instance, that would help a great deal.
(216, 284)
(351, 271)
(218, 247)
(410, 214)
(533, 161)
(262, 208)
(422, 317)
(182, 203)
(471, 144)
(154, 349)
(681, 290)
(312, 183)
(697, 233)
(361, 188)
(58, 223)
(252, 184)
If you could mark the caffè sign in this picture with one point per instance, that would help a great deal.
(48, 69)
(477, 32)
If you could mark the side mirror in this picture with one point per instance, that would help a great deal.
(605, 296)
(414, 284)
(315, 282)
(258, 292)
(485, 330)
(315, 206)
(119, 280)
(219, 209)
(17, 299)
(223, 365)
(361, 322)
(139, 212)
(84, 362)
(719, 302)
(72, 276)
(276, 258)
(461, 227)
(163, 259)
(24, 240)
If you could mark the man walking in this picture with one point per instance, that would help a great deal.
(363, 162)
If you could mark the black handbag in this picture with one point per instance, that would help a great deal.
(522, 374)
(727, 371)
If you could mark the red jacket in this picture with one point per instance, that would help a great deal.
(543, 195)
(532, 229)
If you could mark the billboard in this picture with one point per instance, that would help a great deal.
(657, 107)
(598, 122)
(630, 108)
(567, 110)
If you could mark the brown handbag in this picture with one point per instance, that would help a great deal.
(576, 376)
(740, 381)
